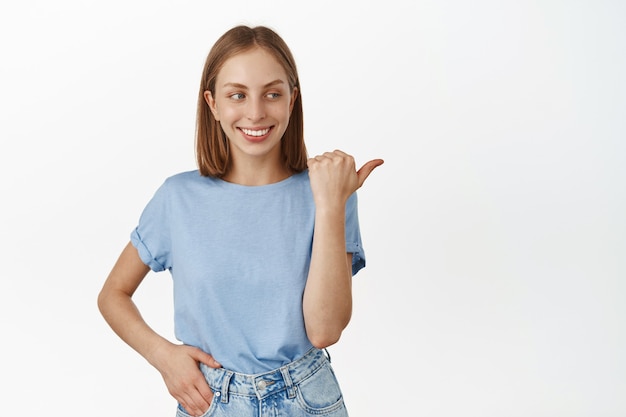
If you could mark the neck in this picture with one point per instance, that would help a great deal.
(257, 174)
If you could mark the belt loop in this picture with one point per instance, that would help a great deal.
(225, 383)
(291, 391)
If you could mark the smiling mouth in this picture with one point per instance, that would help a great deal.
(256, 133)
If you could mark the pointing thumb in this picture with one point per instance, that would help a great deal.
(367, 169)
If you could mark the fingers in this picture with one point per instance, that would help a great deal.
(185, 381)
(198, 397)
(367, 169)
(201, 356)
(197, 405)
(336, 156)
(195, 396)
(333, 177)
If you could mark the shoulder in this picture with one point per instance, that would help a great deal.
(184, 177)
(186, 180)
(301, 177)
(181, 183)
(299, 184)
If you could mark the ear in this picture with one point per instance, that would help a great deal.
(294, 95)
(208, 97)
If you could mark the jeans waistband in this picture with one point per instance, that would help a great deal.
(225, 382)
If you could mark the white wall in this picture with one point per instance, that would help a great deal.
(495, 231)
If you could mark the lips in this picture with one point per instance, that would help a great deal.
(257, 133)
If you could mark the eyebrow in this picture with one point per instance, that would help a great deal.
(244, 87)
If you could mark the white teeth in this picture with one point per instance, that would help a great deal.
(255, 132)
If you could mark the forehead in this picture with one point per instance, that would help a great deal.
(251, 67)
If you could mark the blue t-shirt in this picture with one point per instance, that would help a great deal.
(239, 258)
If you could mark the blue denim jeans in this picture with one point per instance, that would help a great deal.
(303, 388)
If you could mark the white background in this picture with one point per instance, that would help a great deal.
(495, 232)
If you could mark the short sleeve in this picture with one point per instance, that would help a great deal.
(152, 237)
(353, 235)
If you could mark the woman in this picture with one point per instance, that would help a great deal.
(261, 243)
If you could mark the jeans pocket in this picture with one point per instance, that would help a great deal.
(320, 393)
(181, 412)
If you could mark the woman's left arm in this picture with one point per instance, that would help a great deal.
(327, 303)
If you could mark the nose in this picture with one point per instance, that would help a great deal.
(255, 110)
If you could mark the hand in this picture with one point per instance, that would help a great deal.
(179, 367)
(334, 177)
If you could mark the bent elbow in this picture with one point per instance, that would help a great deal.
(100, 301)
(324, 333)
(322, 341)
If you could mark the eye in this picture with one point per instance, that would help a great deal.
(237, 96)
(273, 95)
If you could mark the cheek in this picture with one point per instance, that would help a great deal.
(282, 111)
(227, 113)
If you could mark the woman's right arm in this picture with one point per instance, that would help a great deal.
(178, 364)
